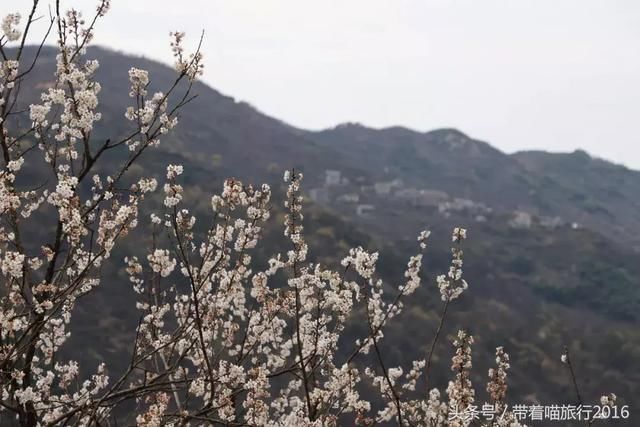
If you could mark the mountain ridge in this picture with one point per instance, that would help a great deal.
(282, 121)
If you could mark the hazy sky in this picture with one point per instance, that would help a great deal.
(538, 74)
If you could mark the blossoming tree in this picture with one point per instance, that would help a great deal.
(219, 341)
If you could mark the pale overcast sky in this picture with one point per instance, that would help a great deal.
(521, 74)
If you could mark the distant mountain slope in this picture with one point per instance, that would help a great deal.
(593, 193)
(445, 159)
(607, 194)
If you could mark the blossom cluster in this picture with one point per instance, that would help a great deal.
(192, 65)
(452, 284)
(9, 30)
